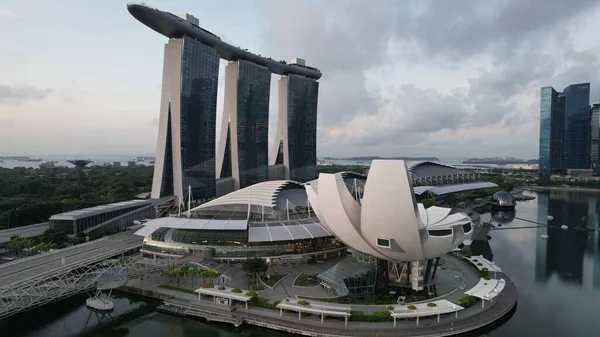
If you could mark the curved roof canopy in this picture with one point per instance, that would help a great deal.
(172, 26)
(262, 194)
(424, 169)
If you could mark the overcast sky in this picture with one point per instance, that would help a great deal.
(440, 78)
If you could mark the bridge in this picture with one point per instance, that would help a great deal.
(28, 232)
(33, 281)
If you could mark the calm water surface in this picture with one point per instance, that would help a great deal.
(558, 282)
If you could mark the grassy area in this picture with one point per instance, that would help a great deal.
(380, 298)
(306, 280)
(272, 279)
(183, 290)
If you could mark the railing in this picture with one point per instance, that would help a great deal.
(72, 279)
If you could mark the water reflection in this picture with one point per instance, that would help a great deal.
(503, 216)
(568, 252)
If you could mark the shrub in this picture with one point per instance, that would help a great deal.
(208, 285)
(258, 288)
(431, 305)
(377, 316)
(303, 302)
(389, 307)
(236, 290)
(480, 264)
(287, 299)
(484, 269)
(412, 307)
(251, 293)
(221, 288)
(467, 301)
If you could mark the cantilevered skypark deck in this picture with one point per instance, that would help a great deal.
(172, 26)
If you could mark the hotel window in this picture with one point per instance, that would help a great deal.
(385, 243)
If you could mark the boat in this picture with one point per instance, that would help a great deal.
(550, 217)
(564, 227)
(544, 236)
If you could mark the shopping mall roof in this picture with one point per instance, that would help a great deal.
(449, 189)
(286, 232)
(262, 194)
(86, 212)
(191, 223)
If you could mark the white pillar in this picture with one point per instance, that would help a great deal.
(394, 322)
(300, 315)
(246, 305)
(321, 318)
(417, 320)
(482, 303)
(456, 314)
(214, 299)
(199, 297)
(345, 320)
(438, 317)
(280, 312)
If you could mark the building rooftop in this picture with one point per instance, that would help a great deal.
(85, 212)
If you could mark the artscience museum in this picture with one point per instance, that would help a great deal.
(385, 225)
(376, 222)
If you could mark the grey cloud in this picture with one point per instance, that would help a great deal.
(525, 41)
(21, 93)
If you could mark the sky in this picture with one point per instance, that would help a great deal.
(400, 77)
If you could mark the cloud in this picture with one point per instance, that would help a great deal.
(14, 94)
(6, 13)
(505, 50)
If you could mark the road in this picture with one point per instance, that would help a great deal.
(91, 252)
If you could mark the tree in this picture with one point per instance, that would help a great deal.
(53, 236)
(18, 244)
(255, 266)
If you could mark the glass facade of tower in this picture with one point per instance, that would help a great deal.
(199, 77)
(558, 132)
(595, 137)
(545, 131)
(577, 126)
(302, 97)
(253, 90)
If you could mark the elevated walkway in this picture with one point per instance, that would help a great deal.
(31, 282)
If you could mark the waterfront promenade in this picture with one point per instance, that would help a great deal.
(469, 319)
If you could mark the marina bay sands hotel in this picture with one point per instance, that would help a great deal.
(185, 154)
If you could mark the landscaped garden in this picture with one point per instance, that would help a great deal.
(272, 279)
(306, 280)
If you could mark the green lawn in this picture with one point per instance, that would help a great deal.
(306, 280)
(183, 290)
(272, 279)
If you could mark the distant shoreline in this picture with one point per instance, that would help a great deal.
(559, 188)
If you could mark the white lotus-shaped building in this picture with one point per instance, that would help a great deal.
(387, 222)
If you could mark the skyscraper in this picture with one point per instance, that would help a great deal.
(185, 153)
(576, 146)
(564, 129)
(186, 142)
(296, 138)
(595, 137)
(243, 149)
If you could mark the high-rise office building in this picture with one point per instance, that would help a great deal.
(564, 130)
(576, 146)
(243, 149)
(595, 137)
(296, 137)
(186, 143)
(185, 155)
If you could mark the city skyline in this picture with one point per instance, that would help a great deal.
(380, 95)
